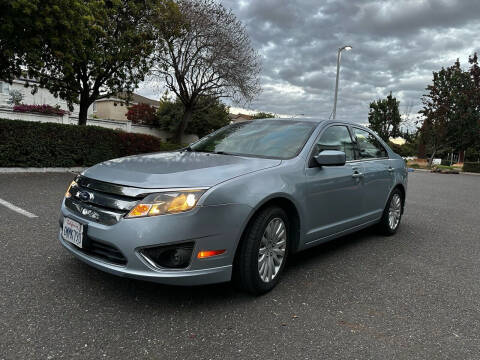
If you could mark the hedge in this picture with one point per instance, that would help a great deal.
(471, 167)
(31, 144)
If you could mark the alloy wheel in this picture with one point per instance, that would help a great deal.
(271, 253)
(395, 211)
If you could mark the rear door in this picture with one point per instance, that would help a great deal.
(378, 175)
(334, 199)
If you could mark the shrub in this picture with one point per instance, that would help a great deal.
(444, 169)
(15, 98)
(31, 144)
(471, 167)
(142, 114)
(40, 109)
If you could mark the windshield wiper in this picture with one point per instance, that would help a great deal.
(225, 153)
(190, 149)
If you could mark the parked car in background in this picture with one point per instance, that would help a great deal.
(235, 204)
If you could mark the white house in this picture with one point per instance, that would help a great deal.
(41, 97)
(44, 96)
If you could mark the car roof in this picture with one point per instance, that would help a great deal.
(315, 120)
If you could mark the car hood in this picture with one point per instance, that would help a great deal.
(176, 169)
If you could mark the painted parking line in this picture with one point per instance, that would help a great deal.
(17, 209)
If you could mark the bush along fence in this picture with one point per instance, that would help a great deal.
(471, 167)
(30, 144)
(40, 109)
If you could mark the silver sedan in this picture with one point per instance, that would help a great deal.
(235, 204)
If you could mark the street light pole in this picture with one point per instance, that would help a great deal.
(339, 54)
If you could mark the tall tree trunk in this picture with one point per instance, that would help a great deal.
(82, 115)
(187, 116)
(430, 161)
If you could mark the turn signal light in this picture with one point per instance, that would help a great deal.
(209, 253)
(140, 210)
(68, 194)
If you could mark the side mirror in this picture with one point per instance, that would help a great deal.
(330, 158)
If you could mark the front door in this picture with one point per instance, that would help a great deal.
(378, 177)
(334, 199)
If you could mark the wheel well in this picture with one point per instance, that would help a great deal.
(289, 207)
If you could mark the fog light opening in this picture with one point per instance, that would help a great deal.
(171, 256)
(180, 257)
(209, 253)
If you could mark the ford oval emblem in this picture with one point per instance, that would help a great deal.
(85, 196)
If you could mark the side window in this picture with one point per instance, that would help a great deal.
(336, 138)
(368, 145)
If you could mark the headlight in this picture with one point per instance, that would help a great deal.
(166, 203)
(72, 184)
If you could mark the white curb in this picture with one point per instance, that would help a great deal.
(459, 172)
(41, 170)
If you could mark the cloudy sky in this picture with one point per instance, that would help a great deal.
(396, 46)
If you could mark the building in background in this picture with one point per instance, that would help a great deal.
(235, 118)
(41, 97)
(116, 107)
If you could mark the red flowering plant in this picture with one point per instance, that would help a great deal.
(40, 109)
(142, 114)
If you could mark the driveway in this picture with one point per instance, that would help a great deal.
(412, 296)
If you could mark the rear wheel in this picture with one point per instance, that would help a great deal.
(392, 215)
(263, 252)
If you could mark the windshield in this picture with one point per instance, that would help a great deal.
(281, 139)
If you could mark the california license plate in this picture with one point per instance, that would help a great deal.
(72, 232)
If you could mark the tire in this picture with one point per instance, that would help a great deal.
(257, 254)
(388, 225)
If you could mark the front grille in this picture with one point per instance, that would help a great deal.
(103, 251)
(101, 202)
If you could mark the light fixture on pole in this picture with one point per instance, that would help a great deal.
(347, 48)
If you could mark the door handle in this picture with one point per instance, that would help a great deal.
(390, 169)
(357, 174)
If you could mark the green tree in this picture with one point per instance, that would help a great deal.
(213, 116)
(205, 53)
(263, 115)
(410, 148)
(18, 34)
(81, 50)
(384, 117)
(451, 116)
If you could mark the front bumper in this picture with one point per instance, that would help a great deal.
(209, 227)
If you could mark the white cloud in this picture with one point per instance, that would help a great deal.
(396, 46)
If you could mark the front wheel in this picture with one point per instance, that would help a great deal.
(392, 215)
(263, 252)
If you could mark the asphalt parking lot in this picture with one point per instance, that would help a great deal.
(412, 296)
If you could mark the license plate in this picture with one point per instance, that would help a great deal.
(72, 232)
